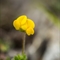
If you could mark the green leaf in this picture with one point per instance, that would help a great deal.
(16, 58)
(20, 57)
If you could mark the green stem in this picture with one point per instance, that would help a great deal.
(23, 45)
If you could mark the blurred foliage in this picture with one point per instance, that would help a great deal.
(56, 6)
(51, 16)
(52, 4)
(8, 58)
(4, 47)
(18, 57)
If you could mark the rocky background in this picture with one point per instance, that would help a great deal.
(44, 44)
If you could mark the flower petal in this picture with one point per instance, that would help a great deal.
(24, 27)
(22, 19)
(30, 23)
(16, 24)
(29, 31)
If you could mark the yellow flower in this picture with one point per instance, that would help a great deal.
(25, 24)
(19, 22)
(29, 31)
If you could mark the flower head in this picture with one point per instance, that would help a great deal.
(25, 24)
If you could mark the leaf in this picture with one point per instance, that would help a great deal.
(20, 57)
(16, 58)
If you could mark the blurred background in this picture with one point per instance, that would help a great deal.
(44, 44)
